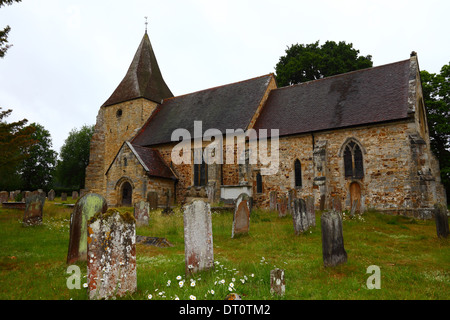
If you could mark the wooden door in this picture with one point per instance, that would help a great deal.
(355, 197)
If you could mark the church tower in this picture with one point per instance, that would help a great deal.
(125, 112)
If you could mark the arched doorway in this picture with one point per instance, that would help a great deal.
(127, 194)
(355, 197)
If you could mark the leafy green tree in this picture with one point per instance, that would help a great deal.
(436, 92)
(37, 169)
(311, 62)
(4, 46)
(75, 157)
(15, 140)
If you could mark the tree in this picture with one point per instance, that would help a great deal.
(436, 93)
(15, 140)
(37, 169)
(75, 157)
(4, 46)
(311, 62)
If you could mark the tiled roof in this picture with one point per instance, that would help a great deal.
(153, 162)
(357, 98)
(230, 106)
(143, 79)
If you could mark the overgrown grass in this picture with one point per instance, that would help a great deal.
(414, 263)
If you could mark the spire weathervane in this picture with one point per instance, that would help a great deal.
(146, 24)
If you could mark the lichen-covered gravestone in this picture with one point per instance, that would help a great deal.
(198, 238)
(241, 218)
(111, 254)
(441, 219)
(277, 282)
(34, 206)
(332, 238)
(141, 213)
(85, 208)
(300, 217)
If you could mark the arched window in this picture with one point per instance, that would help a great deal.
(200, 169)
(353, 161)
(259, 187)
(298, 173)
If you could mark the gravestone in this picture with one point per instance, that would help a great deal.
(74, 195)
(141, 213)
(34, 206)
(198, 238)
(333, 250)
(83, 192)
(441, 219)
(300, 216)
(4, 195)
(292, 195)
(63, 196)
(111, 251)
(241, 218)
(84, 209)
(311, 210)
(282, 206)
(51, 195)
(273, 200)
(277, 282)
(152, 199)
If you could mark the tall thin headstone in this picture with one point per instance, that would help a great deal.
(333, 250)
(282, 206)
(311, 210)
(84, 209)
(141, 213)
(273, 200)
(300, 217)
(241, 218)
(34, 206)
(441, 219)
(111, 252)
(152, 199)
(198, 237)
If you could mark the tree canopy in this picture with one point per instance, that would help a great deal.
(4, 46)
(308, 62)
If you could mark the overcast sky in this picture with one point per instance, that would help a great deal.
(68, 56)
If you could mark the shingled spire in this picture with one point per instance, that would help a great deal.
(143, 79)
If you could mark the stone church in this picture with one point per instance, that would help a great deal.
(360, 136)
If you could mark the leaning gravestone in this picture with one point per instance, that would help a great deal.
(51, 195)
(141, 213)
(441, 219)
(198, 238)
(241, 218)
(111, 251)
(84, 209)
(332, 238)
(300, 216)
(152, 199)
(34, 206)
(277, 282)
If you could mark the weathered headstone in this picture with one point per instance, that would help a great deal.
(241, 218)
(273, 200)
(311, 210)
(34, 206)
(84, 209)
(74, 195)
(63, 196)
(277, 282)
(111, 252)
(292, 195)
(333, 250)
(51, 195)
(198, 238)
(4, 195)
(282, 206)
(152, 199)
(300, 216)
(441, 218)
(141, 213)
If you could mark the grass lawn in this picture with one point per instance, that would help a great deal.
(414, 263)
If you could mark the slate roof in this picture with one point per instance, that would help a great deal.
(143, 78)
(357, 98)
(230, 106)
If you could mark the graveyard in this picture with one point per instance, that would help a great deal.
(413, 261)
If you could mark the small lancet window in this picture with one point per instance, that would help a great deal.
(259, 187)
(125, 162)
(353, 161)
(298, 173)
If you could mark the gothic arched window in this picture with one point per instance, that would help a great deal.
(259, 187)
(298, 173)
(353, 161)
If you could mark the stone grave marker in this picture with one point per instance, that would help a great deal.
(74, 195)
(34, 206)
(63, 196)
(241, 218)
(111, 251)
(333, 250)
(282, 206)
(300, 216)
(441, 219)
(292, 195)
(273, 200)
(152, 199)
(51, 195)
(141, 213)
(84, 209)
(198, 237)
(277, 282)
(310, 210)
(4, 196)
